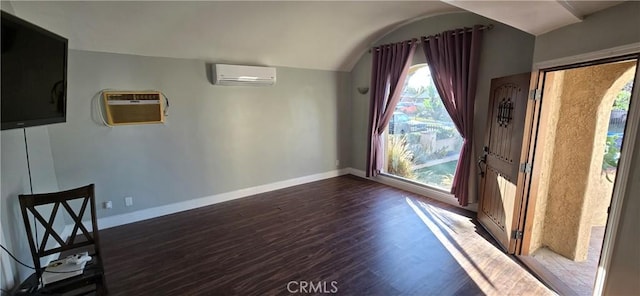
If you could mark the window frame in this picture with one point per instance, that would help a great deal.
(432, 189)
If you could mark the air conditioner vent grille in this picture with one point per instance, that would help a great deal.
(122, 107)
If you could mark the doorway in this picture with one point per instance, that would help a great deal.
(576, 149)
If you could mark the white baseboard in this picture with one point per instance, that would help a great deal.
(357, 172)
(122, 219)
(438, 195)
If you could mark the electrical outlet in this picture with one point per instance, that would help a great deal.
(107, 205)
(128, 201)
(337, 162)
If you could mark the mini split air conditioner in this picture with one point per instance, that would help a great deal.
(244, 75)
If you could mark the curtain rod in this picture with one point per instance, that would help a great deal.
(417, 41)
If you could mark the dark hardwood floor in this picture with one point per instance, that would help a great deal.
(369, 238)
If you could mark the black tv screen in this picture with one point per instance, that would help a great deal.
(34, 75)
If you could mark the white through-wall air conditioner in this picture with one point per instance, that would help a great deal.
(244, 75)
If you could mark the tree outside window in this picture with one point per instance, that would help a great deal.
(423, 144)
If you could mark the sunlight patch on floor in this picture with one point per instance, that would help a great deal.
(442, 224)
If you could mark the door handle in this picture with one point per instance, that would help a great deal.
(483, 159)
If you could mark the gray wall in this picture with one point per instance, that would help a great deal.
(505, 51)
(216, 138)
(609, 28)
(15, 181)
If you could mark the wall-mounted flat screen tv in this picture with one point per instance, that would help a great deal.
(34, 75)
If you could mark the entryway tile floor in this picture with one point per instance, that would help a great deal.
(579, 276)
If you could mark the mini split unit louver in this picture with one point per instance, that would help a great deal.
(244, 75)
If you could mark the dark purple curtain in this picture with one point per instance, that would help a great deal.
(389, 69)
(453, 58)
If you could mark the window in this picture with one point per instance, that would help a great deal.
(423, 144)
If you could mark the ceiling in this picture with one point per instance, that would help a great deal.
(534, 17)
(326, 35)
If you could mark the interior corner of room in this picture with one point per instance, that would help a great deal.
(225, 141)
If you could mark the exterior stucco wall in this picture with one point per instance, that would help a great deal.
(575, 187)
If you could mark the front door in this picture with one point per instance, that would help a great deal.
(501, 180)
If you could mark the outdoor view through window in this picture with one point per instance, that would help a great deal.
(423, 144)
